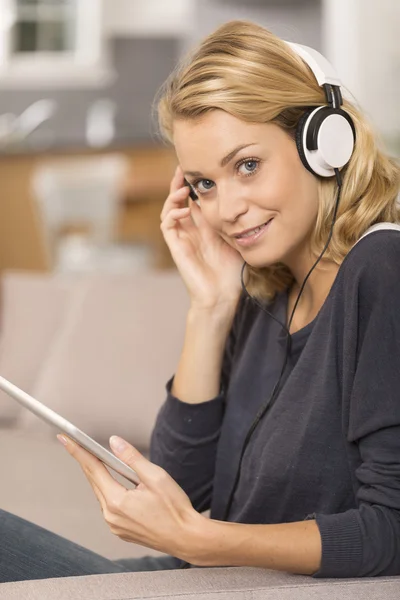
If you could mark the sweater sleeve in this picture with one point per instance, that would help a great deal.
(365, 541)
(185, 437)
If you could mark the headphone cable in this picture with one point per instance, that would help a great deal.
(275, 390)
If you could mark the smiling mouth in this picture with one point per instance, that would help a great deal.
(252, 231)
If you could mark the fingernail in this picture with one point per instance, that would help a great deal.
(62, 439)
(117, 443)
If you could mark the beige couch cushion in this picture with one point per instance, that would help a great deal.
(42, 483)
(118, 346)
(203, 584)
(33, 310)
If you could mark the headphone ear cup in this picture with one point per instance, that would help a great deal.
(325, 139)
(299, 139)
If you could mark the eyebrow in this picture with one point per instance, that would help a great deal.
(227, 159)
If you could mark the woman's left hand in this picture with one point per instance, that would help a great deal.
(157, 513)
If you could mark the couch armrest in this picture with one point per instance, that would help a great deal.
(204, 584)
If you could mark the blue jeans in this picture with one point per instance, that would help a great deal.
(28, 551)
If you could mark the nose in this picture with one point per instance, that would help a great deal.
(231, 204)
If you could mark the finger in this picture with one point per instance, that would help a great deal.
(174, 216)
(174, 200)
(98, 494)
(134, 459)
(93, 468)
(173, 182)
(177, 180)
(198, 218)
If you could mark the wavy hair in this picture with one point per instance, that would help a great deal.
(255, 76)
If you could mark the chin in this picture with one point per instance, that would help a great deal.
(262, 261)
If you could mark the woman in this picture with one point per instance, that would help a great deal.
(283, 416)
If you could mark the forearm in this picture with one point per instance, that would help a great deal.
(197, 377)
(292, 547)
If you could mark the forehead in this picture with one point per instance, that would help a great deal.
(214, 135)
(213, 124)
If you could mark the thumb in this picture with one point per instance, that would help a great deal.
(132, 457)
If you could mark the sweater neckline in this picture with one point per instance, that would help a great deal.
(282, 299)
(301, 335)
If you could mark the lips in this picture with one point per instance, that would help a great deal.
(250, 232)
(251, 236)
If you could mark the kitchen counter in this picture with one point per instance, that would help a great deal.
(22, 240)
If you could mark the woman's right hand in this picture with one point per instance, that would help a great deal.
(209, 267)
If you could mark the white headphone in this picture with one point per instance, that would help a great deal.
(325, 135)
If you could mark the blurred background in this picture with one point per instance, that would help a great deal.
(92, 310)
(83, 175)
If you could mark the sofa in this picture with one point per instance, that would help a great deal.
(99, 350)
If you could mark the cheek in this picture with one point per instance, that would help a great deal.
(229, 241)
(300, 196)
(309, 197)
(210, 214)
(301, 215)
(212, 219)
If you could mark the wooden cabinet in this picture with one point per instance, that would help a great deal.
(22, 240)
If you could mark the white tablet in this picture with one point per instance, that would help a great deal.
(53, 418)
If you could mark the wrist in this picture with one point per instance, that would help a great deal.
(204, 542)
(206, 324)
(192, 537)
(218, 314)
(216, 303)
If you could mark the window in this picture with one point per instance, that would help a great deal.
(44, 26)
(52, 43)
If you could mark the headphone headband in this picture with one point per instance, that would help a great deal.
(319, 65)
(325, 135)
(324, 72)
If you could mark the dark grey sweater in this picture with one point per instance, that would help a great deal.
(329, 448)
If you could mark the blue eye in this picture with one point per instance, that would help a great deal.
(250, 167)
(206, 183)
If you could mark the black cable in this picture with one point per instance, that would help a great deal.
(275, 391)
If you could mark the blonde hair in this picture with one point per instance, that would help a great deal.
(253, 75)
